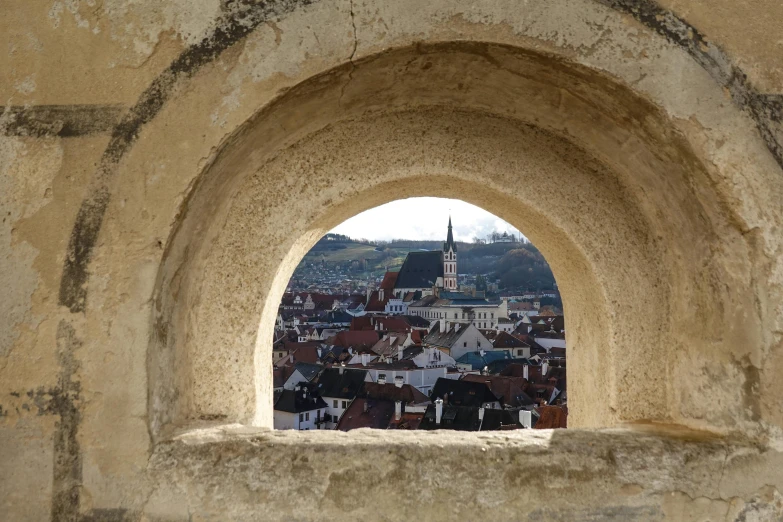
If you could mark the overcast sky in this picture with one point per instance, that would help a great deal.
(423, 218)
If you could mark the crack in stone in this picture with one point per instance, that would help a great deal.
(350, 58)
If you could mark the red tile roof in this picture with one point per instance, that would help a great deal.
(408, 421)
(377, 416)
(389, 280)
(390, 392)
(354, 338)
(551, 417)
(507, 388)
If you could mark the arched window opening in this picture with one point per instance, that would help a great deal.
(352, 349)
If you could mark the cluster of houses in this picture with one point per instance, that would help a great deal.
(417, 353)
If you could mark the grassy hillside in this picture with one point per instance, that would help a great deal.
(516, 265)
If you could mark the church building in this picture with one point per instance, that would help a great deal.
(429, 272)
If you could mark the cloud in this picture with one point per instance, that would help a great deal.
(423, 219)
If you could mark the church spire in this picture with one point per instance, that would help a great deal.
(449, 240)
(450, 262)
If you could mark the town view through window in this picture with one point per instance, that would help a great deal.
(422, 314)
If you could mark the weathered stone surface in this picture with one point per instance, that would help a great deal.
(164, 165)
(527, 475)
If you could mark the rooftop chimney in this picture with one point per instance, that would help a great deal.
(397, 410)
(525, 372)
(365, 406)
(442, 325)
(342, 368)
(399, 381)
(526, 419)
(438, 410)
(365, 359)
(544, 368)
(400, 351)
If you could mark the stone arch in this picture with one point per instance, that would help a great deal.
(698, 132)
(643, 243)
(688, 147)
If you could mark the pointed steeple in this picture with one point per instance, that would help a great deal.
(449, 240)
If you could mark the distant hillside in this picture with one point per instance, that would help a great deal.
(516, 265)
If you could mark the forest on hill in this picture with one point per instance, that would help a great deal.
(514, 265)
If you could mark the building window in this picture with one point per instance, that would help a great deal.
(465, 344)
(492, 315)
(345, 404)
(307, 416)
(335, 404)
(455, 315)
(301, 417)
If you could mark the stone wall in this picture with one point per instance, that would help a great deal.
(165, 165)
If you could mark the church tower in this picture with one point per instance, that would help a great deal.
(450, 262)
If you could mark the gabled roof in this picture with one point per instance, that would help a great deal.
(307, 353)
(466, 418)
(500, 366)
(296, 401)
(506, 340)
(403, 365)
(388, 283)
(375, 303)
(336, 316)
(509, 389)
(412, 351)
(377, 416)
(407, 394)
(478, 361)
(449, 337)
(410, 296)
(309, 371)
(420, 270)
(354, 338)
(280, 375)
(551, 417)
(363, 322)
(390, 344)
(345, 385)
(416, 321)
(408, 421)
(559, 375)
(463, 393)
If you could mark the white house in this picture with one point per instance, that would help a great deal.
(432, 357)
(460, 308)
(423, 379)
(506, 325)
(339, 387)
(396, 306)
(548, 344)
(456, 339)
(299, 409)
(303, 372)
